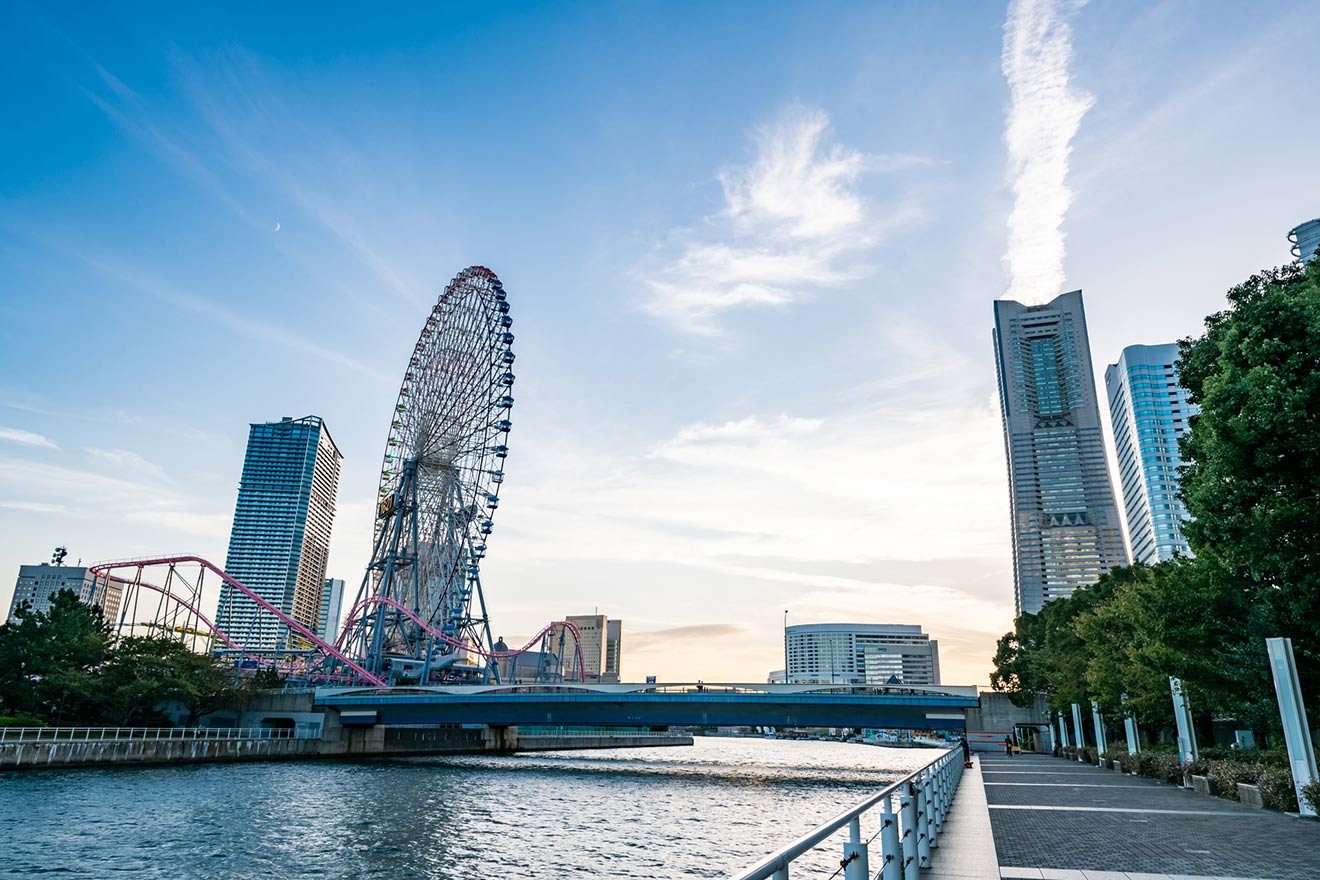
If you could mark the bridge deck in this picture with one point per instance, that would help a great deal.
(638, 705)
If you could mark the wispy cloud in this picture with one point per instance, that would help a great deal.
(1045, 113)
(791, 220)
(33, 507)
(129, 463)
(26, 438)
(668, 638)
(90, 494)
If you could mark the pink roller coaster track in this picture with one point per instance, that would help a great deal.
(215, 630)
(104, 569)
(352, 619)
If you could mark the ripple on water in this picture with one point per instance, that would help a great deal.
(660, 813)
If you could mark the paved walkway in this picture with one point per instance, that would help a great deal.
(1055, 819)
(966, 848)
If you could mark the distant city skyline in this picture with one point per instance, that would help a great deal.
(751, 289)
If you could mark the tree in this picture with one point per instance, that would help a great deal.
(145, 674)
(1251, 479)
(50, 660)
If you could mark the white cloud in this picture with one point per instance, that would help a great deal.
(1045, 113)
(26, 438)
(791, 219)
(33, 507)
(124, 461)
(794, 185)
(124, 497)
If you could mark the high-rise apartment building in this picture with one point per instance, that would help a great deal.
(1150, 412)
(1066, 531)
(613, 649)
(861, 653)
(332, 601)
(1305, 239)
(601, 642)
(36, 585)
(280, 540)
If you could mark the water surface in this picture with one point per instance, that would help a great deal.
(704, 811)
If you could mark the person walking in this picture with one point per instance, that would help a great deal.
(967, 753)
(1008, 746)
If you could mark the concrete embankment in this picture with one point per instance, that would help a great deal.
(310, 734)
(67, 753)
(564, 742)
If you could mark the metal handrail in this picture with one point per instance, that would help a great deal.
(776, 864)
(110, 734)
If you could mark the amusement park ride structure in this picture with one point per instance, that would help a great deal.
(420, 613)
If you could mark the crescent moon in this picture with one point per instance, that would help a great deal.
(277, 227)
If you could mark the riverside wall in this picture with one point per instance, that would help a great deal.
(318, 735)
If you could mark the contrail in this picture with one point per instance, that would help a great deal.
(1042, 119)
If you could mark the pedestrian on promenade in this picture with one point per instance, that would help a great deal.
(967, 753)
(1008, 746)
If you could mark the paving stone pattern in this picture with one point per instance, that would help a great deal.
(1233, 841)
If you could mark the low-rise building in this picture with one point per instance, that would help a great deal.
(37, 584)
(861, 653)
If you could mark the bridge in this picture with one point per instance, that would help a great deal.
(655, 705)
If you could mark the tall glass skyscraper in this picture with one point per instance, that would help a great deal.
(1150, 412)
(280, 541)
(1066, 530)
(1305, 240)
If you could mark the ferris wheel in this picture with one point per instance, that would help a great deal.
(420, 607)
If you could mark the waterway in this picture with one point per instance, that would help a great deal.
(704, 811)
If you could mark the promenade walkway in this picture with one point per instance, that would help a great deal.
(1056, 819)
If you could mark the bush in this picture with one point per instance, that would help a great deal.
(1312, 795)
(1127, 763)
(1276, 789)
(1163, 766)
(20, 721)
(1225, 774)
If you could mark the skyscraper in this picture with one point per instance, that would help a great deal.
(1150, 411)
(1305, 238)
(613, 650)
(281, 535)
(332, 601)
(1065, 524)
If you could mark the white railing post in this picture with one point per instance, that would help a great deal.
(937, 806)
(923, 822)
(908, 812)
(856, 864)
(891, 852)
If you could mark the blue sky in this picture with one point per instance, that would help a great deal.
(751, 251)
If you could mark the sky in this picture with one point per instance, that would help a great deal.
(751, 252)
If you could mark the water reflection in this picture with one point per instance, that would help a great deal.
(703, 811)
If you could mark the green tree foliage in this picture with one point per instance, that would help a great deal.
(49, 660)
(64, 667)
(1252, 485)
(1252, 476)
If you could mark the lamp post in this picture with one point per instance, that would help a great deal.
(786, 680)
